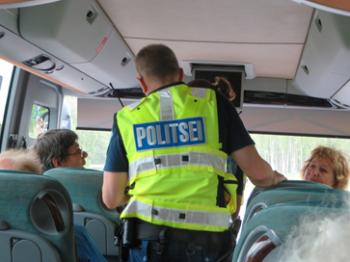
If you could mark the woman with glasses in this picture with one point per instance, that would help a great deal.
(60, 148)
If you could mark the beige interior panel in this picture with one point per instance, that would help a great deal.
(269, 60)
(268, 21)
(269, 34)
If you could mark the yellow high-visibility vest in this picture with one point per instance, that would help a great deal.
(171, 138)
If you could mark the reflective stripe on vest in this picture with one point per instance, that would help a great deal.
(167, 125)
(172, 215)
(166, 105)
(199, 91)
(177, 160)
(166, 102)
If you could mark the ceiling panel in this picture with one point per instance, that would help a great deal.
(269, 33)
(269, 60)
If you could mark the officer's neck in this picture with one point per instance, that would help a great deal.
(160, 84)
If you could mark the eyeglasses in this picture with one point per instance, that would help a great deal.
(81, 152)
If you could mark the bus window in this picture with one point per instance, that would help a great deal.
(39, 121)
(287, 154)
(94, 142)
(6, 70)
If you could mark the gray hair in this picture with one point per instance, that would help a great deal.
(324, 239)
(54, 144)
(21, 160)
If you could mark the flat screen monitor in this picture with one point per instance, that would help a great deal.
(233, 76)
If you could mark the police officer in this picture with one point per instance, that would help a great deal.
(167, 161)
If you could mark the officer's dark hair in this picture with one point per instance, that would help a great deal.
(54, 144)
(200, 83)
(157, 61)
(221, 84)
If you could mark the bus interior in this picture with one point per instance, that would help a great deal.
(70, 64)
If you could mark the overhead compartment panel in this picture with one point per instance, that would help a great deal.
(80, 34)
(342, 97)
(325, 64)
(63, 74)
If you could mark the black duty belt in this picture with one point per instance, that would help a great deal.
(148, 231)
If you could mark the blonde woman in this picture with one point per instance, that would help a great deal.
(327, 166)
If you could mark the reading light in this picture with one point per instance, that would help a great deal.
(340, 7)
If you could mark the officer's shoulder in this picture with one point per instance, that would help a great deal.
(201, 91)
(133, 105)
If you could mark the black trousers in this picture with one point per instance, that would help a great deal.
(170, 245)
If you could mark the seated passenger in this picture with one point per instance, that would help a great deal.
(321, 239)
(20, 159)
(59, 148)
(327, 166)
(27, 160)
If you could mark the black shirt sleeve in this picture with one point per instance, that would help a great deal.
(240, 180)
(232, 133)
(116, 160)
(235, 170)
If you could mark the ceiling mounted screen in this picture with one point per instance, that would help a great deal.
(232, 74)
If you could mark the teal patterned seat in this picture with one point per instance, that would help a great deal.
(292, 191)
(272, 213)
(85, 189)
(36, 222)
(263, 237)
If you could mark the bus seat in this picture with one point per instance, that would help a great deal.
(36, 222)
(84, 187)
(262, 238)
(323, 196)
(289, 184)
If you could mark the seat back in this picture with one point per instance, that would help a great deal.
(271, 214)
(262, 238)
(326, 196)
(289, 184)
(36, 221)
(85, 189)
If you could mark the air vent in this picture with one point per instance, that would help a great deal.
(274, 98)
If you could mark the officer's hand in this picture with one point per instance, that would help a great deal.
(278, 178)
